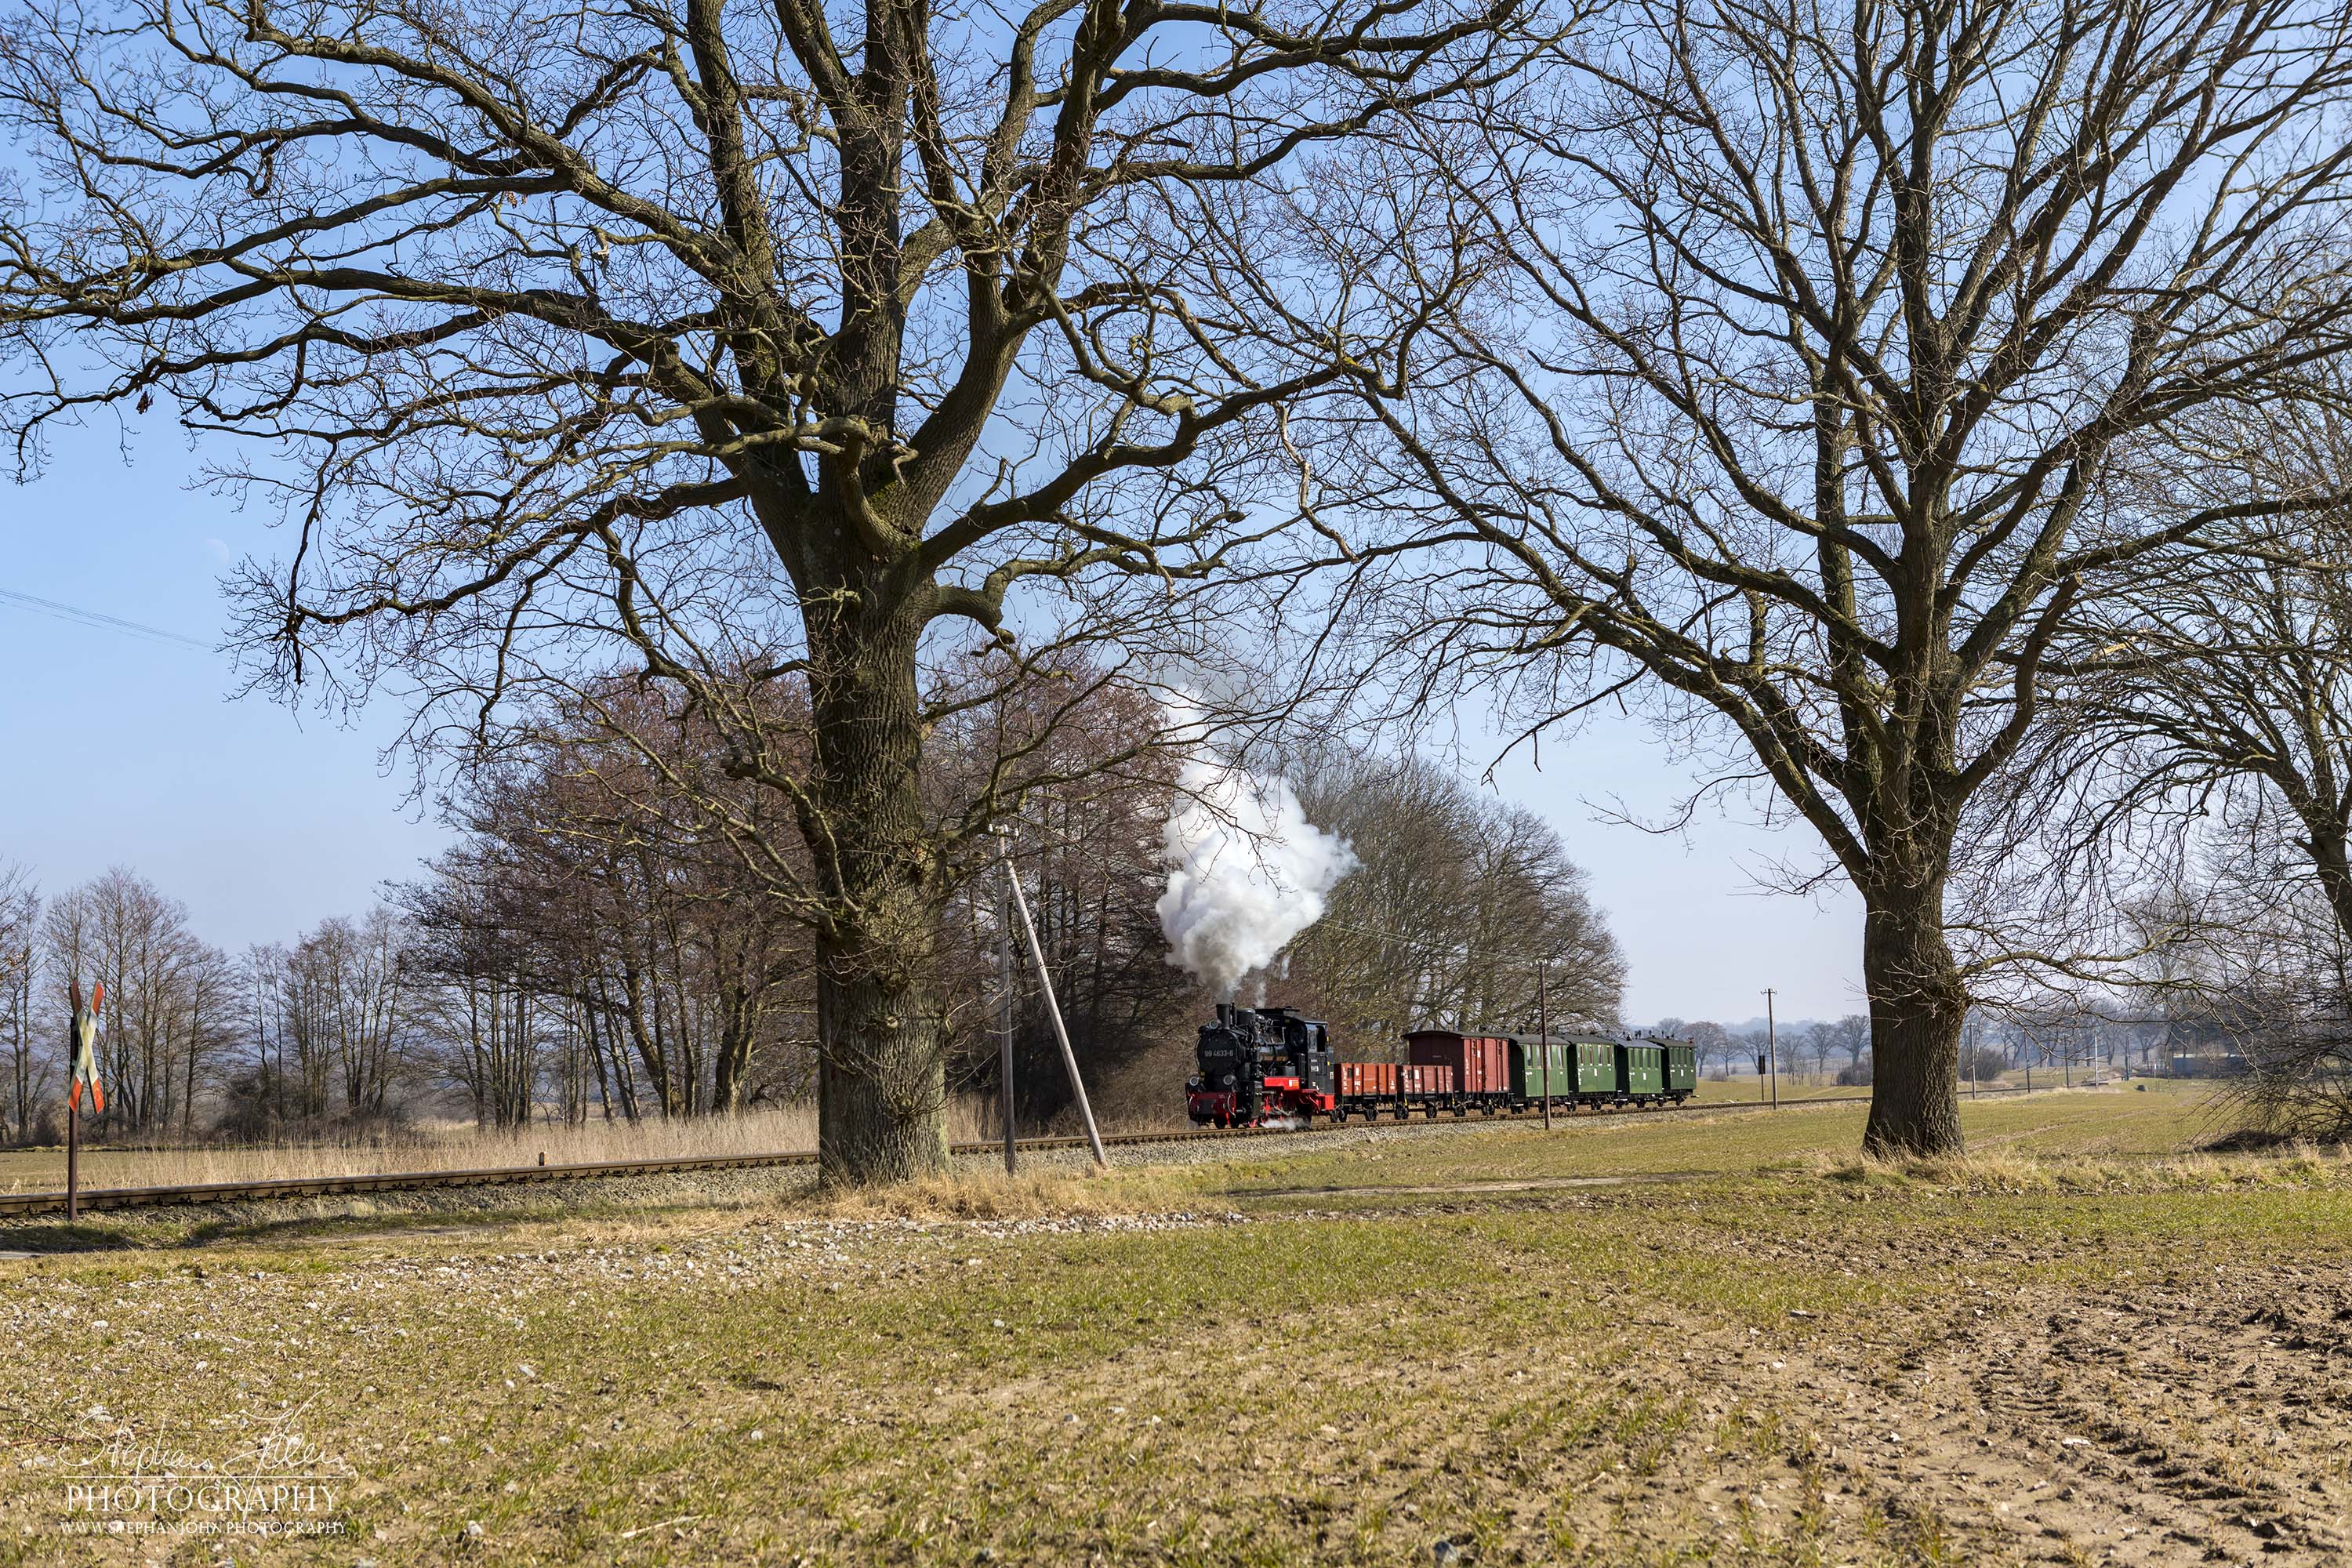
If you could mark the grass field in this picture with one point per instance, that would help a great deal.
(1718, 1340)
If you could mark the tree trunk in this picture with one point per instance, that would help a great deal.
(2331, 860)
(736, 1030)
(1917, 1005)
(882, 1069)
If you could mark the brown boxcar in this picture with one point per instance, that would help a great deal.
(1357, 1079)
(1481, 1063)
(1422, 1078)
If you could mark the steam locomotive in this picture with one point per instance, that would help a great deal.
(1268, 1067)
(1262, 1067)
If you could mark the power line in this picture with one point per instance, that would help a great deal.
(97, 620)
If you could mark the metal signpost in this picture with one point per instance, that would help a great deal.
(1773, 1045)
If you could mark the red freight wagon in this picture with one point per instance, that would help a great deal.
(1357, 1079)
(1420, 1078)
(1481, 1063)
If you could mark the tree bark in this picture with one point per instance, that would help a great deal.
(882, 1072)
(1917, 1005)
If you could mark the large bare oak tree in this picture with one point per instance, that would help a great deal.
(1828, 325)
(758, 342)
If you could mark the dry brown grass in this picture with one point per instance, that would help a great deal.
(1995, 1172)
(456, 1147)
(983, 1194)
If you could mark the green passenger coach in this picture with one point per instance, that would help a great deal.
(1641, 1070)
(1681, 1068)
(1596, 1067)
(1539, 1068)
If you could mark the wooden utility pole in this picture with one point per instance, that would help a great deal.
(1772, 1046)
(1543, 1026)
(1053, 1012)
(1004, 1007)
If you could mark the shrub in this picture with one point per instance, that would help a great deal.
(1983, 1064)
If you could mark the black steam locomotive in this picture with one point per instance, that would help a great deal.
(1262, 1067)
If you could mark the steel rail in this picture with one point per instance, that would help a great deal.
(35, 1203)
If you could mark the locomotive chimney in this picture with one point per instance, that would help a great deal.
(1224, 1015)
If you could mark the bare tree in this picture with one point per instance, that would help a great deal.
(483, 1023)
(27, 1065)
(1455, 904)
(742, 339)
(339, 996)
(1714, 1044)
(210, 997)
(1850, 1034)
(301, 1013)
(1822, 1039)
(622, 900)
(1825, 334)
(1088, 847)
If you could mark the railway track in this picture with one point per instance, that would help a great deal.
(23, 1203)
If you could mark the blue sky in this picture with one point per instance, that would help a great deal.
(123, 750)
(1701, 939)
(119, 749)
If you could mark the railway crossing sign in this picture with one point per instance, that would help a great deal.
(85, 1052)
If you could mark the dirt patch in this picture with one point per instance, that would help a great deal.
(2189, 1420)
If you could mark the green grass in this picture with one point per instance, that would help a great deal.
(1498, 1368)
(2166, 1119)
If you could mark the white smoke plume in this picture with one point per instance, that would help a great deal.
(1246, 873)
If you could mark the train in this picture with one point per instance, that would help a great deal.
(1271, 1067)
